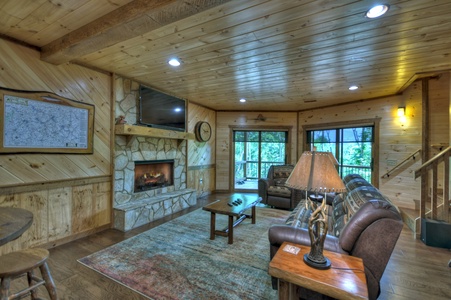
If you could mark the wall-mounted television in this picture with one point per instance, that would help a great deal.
(160, 110)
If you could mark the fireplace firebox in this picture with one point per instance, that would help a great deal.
(153, 174)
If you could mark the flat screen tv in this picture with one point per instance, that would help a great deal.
(159, 110)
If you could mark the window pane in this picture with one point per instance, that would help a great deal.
(326, 147)
(359, 134)
(252, 136)
(245, 136)
(324, 136)
(274, 137)
(238, 136)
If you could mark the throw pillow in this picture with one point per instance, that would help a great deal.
(359, 196)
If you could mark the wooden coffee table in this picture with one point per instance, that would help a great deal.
(222, 207)
(344, 280)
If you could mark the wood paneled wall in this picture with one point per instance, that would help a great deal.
(201, 155)
(69, 195)
(398, 137)
(225, 121)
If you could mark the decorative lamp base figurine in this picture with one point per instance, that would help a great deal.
(317, 228)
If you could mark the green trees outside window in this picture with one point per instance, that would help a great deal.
(351, 146)
(255, 152)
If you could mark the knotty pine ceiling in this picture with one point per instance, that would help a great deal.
(279, 55)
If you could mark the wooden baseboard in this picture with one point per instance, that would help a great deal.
(74, 237)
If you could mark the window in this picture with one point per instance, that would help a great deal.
(351, 146)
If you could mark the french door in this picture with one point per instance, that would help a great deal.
(254, 152)
(352, 147)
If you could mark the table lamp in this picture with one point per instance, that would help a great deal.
(316, 171)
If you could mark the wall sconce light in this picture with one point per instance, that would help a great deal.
(401, 111)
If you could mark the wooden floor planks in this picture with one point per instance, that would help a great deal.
(415, 271)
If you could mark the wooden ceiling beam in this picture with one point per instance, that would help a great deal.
(134, 19)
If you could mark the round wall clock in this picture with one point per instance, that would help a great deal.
(203, 131)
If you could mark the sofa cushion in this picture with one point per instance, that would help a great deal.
(280, 191)
(360, 196)
(355, 183)
(299, 216)
(350, 177)
(338, 210)
(339, 224)
(339, 198)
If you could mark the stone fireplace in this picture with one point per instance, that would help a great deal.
(135, 207)
(145, 160)
(153, 174)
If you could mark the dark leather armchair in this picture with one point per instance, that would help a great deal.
(273, 191)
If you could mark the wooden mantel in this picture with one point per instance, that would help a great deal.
(132, 131)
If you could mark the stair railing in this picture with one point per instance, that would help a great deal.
(431, 168)
(411, 156)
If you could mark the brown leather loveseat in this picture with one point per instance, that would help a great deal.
(362, 223)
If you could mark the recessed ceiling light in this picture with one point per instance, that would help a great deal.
(377, 11)
(353, 87)
(242, 100)
(174, 62)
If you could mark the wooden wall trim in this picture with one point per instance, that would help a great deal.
(40, 186)
(203, 167)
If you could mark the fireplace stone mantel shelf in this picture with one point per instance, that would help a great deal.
(132, 131)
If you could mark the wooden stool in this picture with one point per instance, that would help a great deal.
(16, 264)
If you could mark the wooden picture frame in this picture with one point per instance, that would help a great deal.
(43, 122)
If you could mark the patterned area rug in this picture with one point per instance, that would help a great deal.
(177, 260)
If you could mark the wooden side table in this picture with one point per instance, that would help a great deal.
(344, 280)
(13, 222)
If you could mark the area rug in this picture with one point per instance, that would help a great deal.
(177, 260)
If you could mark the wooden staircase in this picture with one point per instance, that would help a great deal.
(412, 219)
(434, 202)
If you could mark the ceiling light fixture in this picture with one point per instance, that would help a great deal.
(353, 87)
(174, 62)
(377, 11)
(242, 100)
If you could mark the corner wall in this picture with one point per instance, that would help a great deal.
(201, 155)
(398, 137)
(68, 194)
(247, 120)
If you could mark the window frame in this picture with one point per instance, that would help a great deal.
(349, 124)
(287, 129)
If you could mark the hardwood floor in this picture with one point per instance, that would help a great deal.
(415, 271)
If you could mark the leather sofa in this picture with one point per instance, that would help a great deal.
(273, 191)
(361, 222)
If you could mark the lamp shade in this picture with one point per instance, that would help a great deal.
(315, 171)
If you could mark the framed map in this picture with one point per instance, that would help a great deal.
(40, 122)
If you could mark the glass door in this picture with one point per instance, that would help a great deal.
(254, 153)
